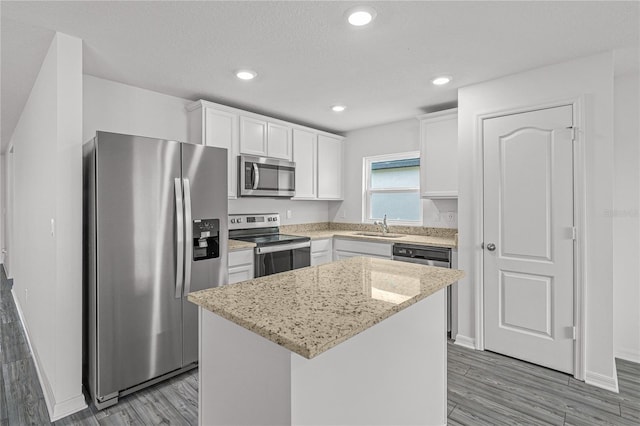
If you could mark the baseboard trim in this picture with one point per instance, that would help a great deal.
(57, 410)
(465, 342)
(68, 407)
(602, 381)
(628, 355)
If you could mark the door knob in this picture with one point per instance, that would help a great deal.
(491, 247)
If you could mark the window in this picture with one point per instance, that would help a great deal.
(392, 187)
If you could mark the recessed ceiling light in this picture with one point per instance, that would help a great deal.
(361, 16)
(338, 108)
(246, 74)
(440, 81)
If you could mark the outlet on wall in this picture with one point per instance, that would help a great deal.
(26, 296)
(289, 214)
(344, 214)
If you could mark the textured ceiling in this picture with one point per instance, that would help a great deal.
(307, 56)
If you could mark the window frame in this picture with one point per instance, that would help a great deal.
(367, 191)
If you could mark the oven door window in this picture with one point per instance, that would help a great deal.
(282, 261)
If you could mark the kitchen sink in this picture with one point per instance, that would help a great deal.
(379, 234)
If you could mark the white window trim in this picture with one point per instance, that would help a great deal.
(366, 185)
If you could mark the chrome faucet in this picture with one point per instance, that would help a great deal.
(383, 223)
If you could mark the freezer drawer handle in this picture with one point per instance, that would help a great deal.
(189, 233)
(179, 237)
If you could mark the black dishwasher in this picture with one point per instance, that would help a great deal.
(426, 255)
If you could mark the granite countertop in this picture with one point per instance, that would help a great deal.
(234, 245)
(427, 240)
(313, 309)
(438, 237)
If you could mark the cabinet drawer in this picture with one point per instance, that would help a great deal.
(321, 245)
(240, 257)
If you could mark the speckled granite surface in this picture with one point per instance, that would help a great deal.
(394, 229)
(311, 310)
(234, 245)
(439, 237)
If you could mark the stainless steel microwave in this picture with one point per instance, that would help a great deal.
(266, 177)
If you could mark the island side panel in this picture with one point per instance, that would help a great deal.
(244, 379)
(392, 373)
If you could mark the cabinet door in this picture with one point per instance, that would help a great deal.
(279, 141)
(304, 155)
(321, 251)
(221, 130)
(329, 168)
(346, 254)
(439, 155)
(253, 136)
(320, 258)
(240, 265)
(240, 273)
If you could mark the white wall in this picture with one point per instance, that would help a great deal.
(593, 78)
(3, 207)
(48, 224)
(625, 214)
(397, 137)
(119, 108)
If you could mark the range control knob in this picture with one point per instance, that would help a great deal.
(239, 220)
(233, 221)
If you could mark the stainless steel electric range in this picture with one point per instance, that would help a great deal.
(274, 252)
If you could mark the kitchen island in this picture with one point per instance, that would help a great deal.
(357, 341)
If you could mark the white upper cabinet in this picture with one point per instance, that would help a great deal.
(317, 154)
(279, 141)
(329, 168)
(304, 155)
(218, 128)
(253, 136)
(265, 139)
(439, 154)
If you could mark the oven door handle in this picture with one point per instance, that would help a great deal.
(282, 247)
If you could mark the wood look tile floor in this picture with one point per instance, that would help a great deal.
(484, 389)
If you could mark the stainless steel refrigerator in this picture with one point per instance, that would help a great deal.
(155, 229)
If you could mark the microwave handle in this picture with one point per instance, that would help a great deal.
(256, 176)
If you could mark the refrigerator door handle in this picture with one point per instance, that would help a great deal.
(189, 236)
(179, 237)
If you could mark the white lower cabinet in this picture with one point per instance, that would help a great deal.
(241, 265)
(321, 251)
(343, 249)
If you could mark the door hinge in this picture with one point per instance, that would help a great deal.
(573, 132)
(574, 233)
(573, 333)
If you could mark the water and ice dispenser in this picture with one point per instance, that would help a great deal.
(206, 239)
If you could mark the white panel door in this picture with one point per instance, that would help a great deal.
(304, 155)
(528, 243)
